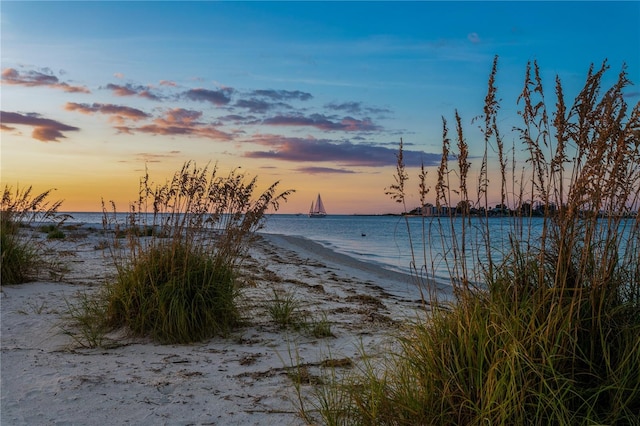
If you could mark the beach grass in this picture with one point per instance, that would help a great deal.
(177, 255)
(284, 310)
(547, 332)
(22, 254)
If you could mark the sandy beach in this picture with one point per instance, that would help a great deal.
(243, 379)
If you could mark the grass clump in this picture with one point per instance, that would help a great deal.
(83, 322)
(320, 328)
(545, 321)
(284, 310)
(176, 274)
(56, 234)
(21, 253)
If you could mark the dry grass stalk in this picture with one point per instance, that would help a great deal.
(549, 332)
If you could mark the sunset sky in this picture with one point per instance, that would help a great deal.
(315, 95)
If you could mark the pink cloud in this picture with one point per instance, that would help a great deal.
(179, 122)
(132, 90)
(118, 113)
(34, 78)
(149, 157)
(181, 116)
(44, 129)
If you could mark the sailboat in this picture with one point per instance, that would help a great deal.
(317, 210)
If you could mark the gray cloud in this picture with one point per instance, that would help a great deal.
(283, 95)
(323, 170)
(323, 122)
(345, 153)
(216, 97)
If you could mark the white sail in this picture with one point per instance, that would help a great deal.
(317, 210)
(320, 206)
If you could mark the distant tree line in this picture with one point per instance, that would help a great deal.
(465, 208)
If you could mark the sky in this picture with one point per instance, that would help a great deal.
(315, 95)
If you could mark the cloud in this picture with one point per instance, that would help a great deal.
(216, 97)
(356, 108)
(345, 153)
(168, 83)
(179, 122)
(322, 122)
(263, 101)
(151, 157)
(473, 38)
(118, 113)
(258, 106)
(132, 90)
(255, 106)
(323, 170)
(348, 107)
(283, 95)
(240, 119)
(34, 78)
(44, 129)
(181, 116)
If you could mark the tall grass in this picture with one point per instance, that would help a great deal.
(177, 266)
(21, 253)
(547, 330)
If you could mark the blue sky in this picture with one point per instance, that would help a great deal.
(314, 94)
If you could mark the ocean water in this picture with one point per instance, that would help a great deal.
(385, 240)
(410, 245)
(388, 240)
(430, 247)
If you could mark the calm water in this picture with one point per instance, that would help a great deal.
(383, 240)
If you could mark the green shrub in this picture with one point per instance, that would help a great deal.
(547, 332)
(176, 276)
(22, 254)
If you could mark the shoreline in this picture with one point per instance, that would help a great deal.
(385, 244)
(397, 283)
(244, 379)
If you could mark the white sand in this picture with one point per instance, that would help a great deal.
(47, 378)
